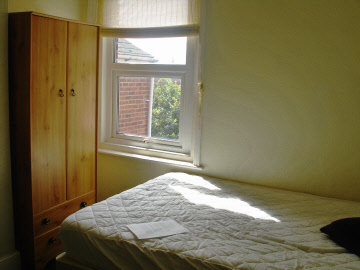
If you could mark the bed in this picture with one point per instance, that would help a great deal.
(229, 225)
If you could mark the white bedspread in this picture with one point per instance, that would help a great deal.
(231, 226)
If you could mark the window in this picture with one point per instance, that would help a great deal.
(149, 98)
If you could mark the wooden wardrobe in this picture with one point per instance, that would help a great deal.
(53, 67)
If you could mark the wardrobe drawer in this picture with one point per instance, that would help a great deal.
(52, 218)
(47, 247)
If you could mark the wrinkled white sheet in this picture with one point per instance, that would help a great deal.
(231, 226)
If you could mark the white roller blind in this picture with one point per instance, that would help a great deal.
(149, 13)
(92, 11)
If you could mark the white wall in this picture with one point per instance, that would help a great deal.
(281, 106)
(71, 9)
(281, 101)
(9, 258)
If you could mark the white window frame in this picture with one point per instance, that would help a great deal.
(187, 148)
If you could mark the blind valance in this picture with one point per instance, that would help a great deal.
(149, 13)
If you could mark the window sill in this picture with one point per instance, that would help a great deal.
(177, 163)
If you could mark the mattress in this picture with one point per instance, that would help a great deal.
(230, 226)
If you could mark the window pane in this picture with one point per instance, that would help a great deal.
(149, 107)
(150, 50)
(166, 108)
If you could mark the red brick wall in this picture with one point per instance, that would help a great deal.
(134, 96)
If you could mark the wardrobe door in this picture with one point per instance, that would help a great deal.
(81, 92)
(48, 112)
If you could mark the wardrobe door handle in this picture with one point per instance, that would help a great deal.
(61, 94)
(73, 92)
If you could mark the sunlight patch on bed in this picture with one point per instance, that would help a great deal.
(194, 180)
(230, 204)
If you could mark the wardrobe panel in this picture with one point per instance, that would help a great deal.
(82, 84)
(48, 112)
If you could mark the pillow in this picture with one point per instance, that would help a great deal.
(346, 233)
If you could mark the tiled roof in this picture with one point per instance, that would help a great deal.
(127, 51)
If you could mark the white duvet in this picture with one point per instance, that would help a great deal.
(231, 226)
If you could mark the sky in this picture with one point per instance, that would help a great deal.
(166, 50)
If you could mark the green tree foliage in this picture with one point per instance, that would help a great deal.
(166, 109)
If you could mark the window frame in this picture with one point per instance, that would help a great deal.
(186, 149)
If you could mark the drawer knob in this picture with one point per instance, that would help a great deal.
(83, 204)
(52, 240)
(46, 221)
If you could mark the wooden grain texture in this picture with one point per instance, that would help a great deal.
(45, 250)
(48, 112)
(38, 69)
(57, 214)
(81, 113)
(19, 96)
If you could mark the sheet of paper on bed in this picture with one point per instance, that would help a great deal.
(156, 229)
